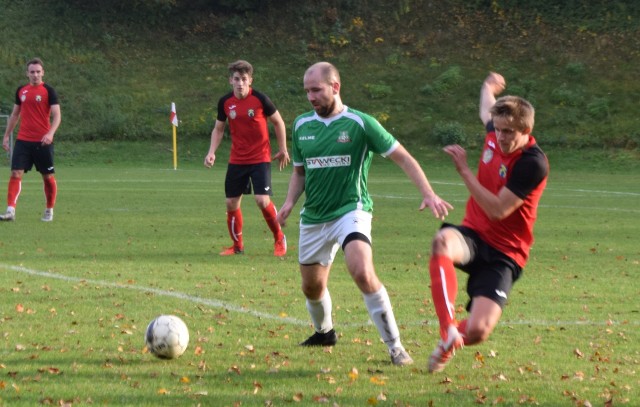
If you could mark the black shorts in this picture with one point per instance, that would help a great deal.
(26, 154)
(491, 272)
(240, 178)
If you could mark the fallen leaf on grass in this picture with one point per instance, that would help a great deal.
(377, 380)
(353, 374)
(256, 387)
(51, 370)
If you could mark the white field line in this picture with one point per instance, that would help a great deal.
(182, 296)
(288, 320)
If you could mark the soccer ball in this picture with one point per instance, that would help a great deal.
(167, 337)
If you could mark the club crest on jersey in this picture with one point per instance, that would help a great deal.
(23, 97)
(487, 155)
(251, 112)
(232, 114)
(502, 171)
(38, 98)
(344, 137)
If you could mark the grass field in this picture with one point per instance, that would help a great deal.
(130, 242)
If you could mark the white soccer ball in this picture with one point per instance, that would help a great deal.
(167, 337)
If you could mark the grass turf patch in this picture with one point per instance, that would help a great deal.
(130, 242)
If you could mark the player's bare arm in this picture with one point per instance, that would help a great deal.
(493, 85)
(296, 188)
(56, 119)
(439, 207)
(216, 138)
(281, 137)
(496, 207)
(11, 125)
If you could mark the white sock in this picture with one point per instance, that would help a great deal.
(320, 311)
(379, 306)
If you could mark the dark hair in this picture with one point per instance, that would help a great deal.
(240, 66)
(35, 61)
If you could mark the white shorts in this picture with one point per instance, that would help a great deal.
(320, 242)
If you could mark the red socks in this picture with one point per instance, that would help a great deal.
(50, 191)
(270, 214)
(444, 289)
(234, 223)
(13, 192)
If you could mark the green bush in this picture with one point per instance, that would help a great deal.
(449, 133)
(378, 91)
(445, 82)
(598, 108)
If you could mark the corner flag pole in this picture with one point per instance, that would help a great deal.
(174, 124)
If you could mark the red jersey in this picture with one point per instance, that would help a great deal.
(524, 172)
(35, 110)
(248, 126)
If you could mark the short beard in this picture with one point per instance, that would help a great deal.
(325, 111)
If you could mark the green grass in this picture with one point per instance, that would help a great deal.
(412, 65)
(131, 241)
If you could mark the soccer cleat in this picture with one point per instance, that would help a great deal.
(8, 216)
(319, 339)
(445, 350)
(231, 251)
(280, 247)
(47, 216)
(400, 357)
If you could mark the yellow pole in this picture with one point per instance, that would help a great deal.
(175, 149)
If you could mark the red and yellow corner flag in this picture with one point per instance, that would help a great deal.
(174, 123)
(174, 116)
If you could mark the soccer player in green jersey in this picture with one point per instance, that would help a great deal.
(332, 148)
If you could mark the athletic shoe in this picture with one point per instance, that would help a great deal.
(445, 350)
(319, 339)
(280, 247)
(400, 357)
(231, 251)
(8, 216)
(47, 216)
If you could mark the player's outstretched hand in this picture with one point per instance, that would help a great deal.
(458, 156)
(439, 207)
(283, 157)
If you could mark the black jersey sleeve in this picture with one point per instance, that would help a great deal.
(222, 115)
(529, 171)
(53, 95)
(267, 105)
(17, 100)
(490, 127)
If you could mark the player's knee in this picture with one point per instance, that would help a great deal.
(477, 333)
(439, 244)
(312, 291)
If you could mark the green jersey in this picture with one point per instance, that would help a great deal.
(336, 154)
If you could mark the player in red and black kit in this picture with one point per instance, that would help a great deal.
(38, 110)
(247, 111)
(492, 244)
